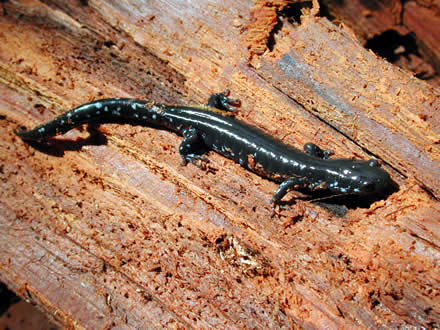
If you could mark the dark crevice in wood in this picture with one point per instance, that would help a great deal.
(383, 28)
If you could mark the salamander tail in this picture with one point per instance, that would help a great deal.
(29, 135)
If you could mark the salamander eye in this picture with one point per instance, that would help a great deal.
(369, 187)
(373, 163)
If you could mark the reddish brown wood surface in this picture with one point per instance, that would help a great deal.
(110, 230)
(407, 31)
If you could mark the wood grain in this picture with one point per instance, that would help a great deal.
(109, 230)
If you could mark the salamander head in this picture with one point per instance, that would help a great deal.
(358, 177)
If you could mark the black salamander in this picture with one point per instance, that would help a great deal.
(209, 128)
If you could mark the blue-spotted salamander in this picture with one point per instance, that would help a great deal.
(211, 128)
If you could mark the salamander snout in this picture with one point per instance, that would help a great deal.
(359, 177)
(373, 179)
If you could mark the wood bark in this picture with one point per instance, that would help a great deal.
(107, 229)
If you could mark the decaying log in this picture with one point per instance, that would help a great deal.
(106, 229)
(407, 31)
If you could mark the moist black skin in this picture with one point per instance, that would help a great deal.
(210, 128)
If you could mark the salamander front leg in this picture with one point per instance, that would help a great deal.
(191, 149)
(223, 102)
(313, 150)
(289, 184)
(283, 189)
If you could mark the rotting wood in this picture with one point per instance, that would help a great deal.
(406, 30)
(114, 232)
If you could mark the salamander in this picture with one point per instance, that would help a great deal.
(210, 127)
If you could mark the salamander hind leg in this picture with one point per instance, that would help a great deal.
(191, 149)
(223, 102)
(313, 150)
